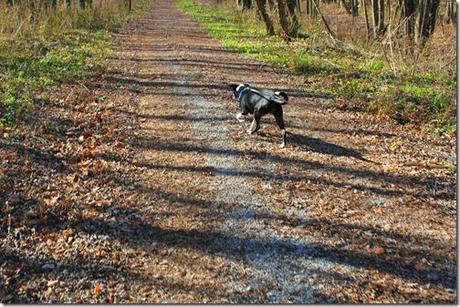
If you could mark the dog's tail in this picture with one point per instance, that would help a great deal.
(280, 97)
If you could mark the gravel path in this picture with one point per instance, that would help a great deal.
(170, 201)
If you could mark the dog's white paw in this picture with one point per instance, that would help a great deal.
(238, 117)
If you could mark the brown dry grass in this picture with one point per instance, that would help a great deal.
(19, 22)
(353, 30)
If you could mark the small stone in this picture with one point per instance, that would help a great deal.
(68, 233)
(51, 283)
(48, 266)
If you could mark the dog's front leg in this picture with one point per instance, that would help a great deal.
(280, 122)
(283, 135)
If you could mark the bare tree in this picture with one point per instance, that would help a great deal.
(366, 17)
(420, 16)
(244, 4)
(450, 13)
(351, 6)
(288, 18)
(283, 17)
(425, 20)
(261, 7)
(326, 24)
(310, 8)
(378, 14)
(293, 10)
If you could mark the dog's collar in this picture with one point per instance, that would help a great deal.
(239, 87)
(240, 90)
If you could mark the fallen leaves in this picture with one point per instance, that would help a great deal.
(68, 234)
(96, 291)
(109, 208)
(52, 283)
(110, 298)
(51, 200)
(421, 264)
(11, 156)
(377, 250)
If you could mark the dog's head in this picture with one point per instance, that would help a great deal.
(233, 87)
(236, 88)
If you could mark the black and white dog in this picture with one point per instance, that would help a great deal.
(259, 102)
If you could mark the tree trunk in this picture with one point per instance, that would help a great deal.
(421, 19)
(425, 21)
(375, 17)
(354, 8)
(347, 6)
(351, 6)
(294, 23)
(271, 4)
(381, 24)
(261, 6)
(283, 18)
(244, 4)
(378, 14)
(452, 11)
(409, 12)
(366, 18)
(313, 12)
(328, 29)
(447, 13)
(33, 13)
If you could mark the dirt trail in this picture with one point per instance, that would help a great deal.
(198, 211)
(239, 191)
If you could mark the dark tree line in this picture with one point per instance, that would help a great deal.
(414, 19)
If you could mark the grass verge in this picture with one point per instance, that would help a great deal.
(363, 82)
(35, 59)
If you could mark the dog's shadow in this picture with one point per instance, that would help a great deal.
(323, 147)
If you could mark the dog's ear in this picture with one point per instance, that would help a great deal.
(233, 86)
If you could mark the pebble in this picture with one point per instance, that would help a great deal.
(51, 283)
(48, 266)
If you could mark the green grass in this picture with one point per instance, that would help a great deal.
(28, 72)
(31, 65)
(367, 82)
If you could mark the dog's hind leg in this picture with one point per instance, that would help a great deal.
(238, 117)
(279, 120)
(255, 125)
